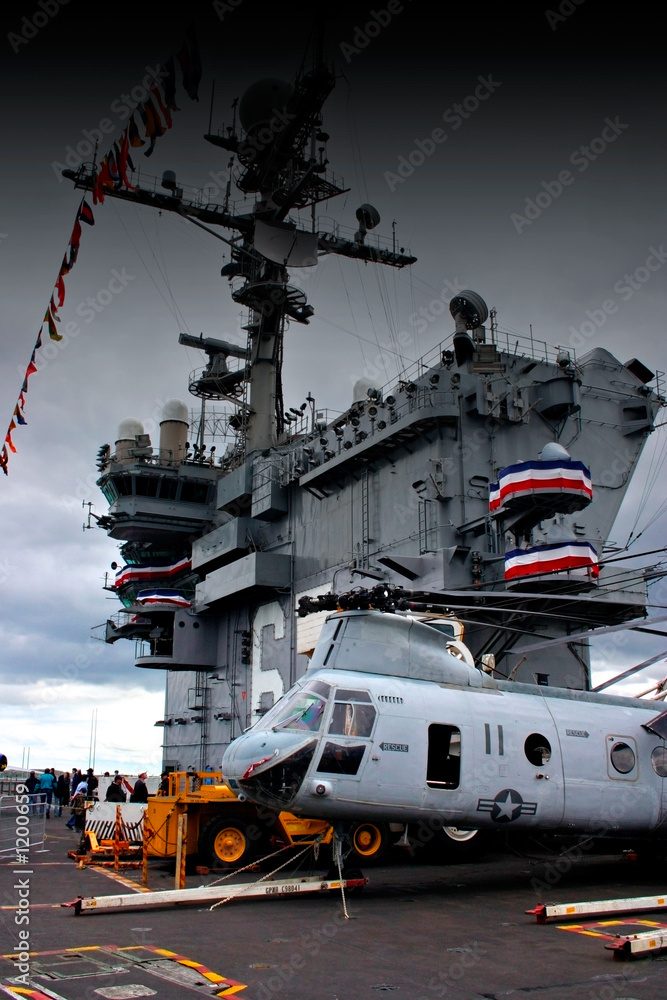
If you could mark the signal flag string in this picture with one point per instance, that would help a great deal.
(112, 175)
(51, 318)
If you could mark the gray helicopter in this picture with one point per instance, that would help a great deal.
(393, 721)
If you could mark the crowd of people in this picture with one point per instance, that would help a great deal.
(77, 789)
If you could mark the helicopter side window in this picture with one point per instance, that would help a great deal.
(353, 714)
(443, 767)
(337, 759)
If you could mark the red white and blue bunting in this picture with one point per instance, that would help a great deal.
(522, 484)
(170, 598)
(577, 558)
(136, 574)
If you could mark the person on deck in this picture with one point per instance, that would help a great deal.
(115, 792)
(140, 792)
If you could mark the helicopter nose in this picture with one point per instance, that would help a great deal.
(268, 769)
(253, 751)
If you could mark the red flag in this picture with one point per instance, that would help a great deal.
(8, 436)
(60, 287)
(104, 179)
(75, 238)
(123, 159)
(4, 460)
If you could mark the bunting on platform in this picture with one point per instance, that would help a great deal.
(578, 558)
(538, 479)
(134, 574)
(172, 598)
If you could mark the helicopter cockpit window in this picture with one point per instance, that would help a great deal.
(353, 714)
(303, 710)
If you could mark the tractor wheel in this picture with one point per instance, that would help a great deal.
(370, 842)
(224, 843)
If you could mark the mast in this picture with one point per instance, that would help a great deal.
(280, 148)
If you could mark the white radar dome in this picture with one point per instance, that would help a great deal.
(554, 452)
(175, 409)
(129, 428)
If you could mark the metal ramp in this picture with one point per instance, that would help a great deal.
(213, 894)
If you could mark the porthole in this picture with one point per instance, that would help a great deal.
(659, 761)
(622, 758)
(537, 749)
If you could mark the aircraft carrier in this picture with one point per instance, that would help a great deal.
(483, 481)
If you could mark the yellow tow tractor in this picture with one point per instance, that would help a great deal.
(222, 832)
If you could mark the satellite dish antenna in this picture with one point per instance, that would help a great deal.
(469, 310)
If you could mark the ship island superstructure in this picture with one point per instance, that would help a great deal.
(484, 481)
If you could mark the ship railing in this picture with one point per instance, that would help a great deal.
(326, 224)
(513, 344)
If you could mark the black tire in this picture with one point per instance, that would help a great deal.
(226, 842)
(370, 842)
(453, 844)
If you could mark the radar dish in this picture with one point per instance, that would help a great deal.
(285, 244)
(368, 216)
(470, 307)
(261, 102)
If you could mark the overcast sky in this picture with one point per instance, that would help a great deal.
(521, 155)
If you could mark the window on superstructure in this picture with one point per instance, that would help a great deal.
(194, 492)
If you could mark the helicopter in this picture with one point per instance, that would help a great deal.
(393, 721)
